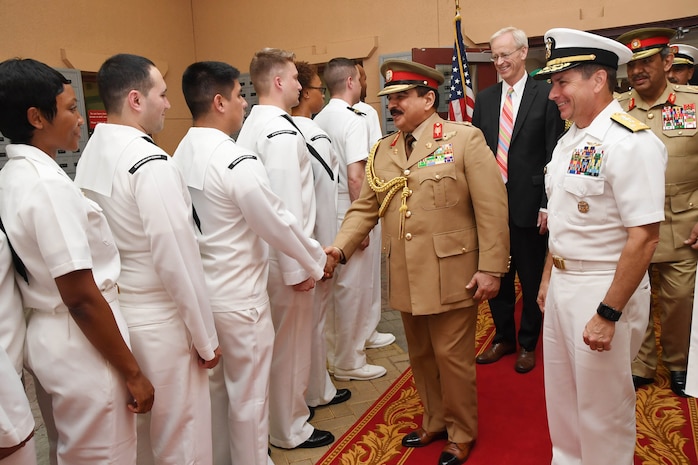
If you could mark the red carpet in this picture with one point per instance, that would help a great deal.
(512, 420)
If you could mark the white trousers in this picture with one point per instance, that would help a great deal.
(321, 390)
(692, 373)
(352, 319)
(87, 397)
(239, 387)
(292, 313)
(589, 395)
(177, 431)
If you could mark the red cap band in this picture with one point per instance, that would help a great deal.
(636, 44)
(408, 76)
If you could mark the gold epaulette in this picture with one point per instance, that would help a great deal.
(629, 122)
(685, 88)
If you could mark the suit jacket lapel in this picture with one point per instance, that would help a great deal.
(529, 94)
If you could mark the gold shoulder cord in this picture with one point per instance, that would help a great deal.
(391, 187)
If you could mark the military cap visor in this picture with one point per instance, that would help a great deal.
(402, 75)
(569, 48)
(647, 41)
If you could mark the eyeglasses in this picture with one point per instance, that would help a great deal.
(321, 89)
(503, 56)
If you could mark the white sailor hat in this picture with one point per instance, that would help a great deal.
(684, 54)
(568, 48)
(402, 75)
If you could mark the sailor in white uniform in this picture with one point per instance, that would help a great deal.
(269, 131)
(163, 293)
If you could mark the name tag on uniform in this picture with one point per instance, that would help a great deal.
(443, 154)
(679, 117)
(586, 161)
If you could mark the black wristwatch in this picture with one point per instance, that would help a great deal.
(608, 312)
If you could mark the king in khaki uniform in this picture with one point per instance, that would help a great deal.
(670, 112)
(443, 205)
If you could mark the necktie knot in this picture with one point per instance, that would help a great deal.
(409, 142)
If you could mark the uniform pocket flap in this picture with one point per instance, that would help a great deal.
(684, 202)
(582, 186)
(455, 242)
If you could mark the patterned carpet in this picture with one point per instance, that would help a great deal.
(511, 431)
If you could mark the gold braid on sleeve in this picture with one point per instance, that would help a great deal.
(391, 187)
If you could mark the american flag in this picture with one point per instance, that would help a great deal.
(461, 99)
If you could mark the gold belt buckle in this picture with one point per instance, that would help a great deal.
(559, 262)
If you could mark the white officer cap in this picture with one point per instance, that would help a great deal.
(684, 54)
(568, 48)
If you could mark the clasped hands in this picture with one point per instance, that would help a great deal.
(333, 258)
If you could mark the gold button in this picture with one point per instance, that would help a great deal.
(690, 204)
(410, 191)
(408, 236)
(650, 115)
(463, 250)
(408, 214)
(680, 133)
(406, 172)
(438, 176)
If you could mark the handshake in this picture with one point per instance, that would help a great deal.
(334, 256)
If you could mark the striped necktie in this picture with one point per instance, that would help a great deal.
(506, 125)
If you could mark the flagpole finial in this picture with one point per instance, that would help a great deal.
(457, 6)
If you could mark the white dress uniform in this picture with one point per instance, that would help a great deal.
(56, 230)
(321, 390)
(351, 320)
(269, 133)
(238, 216)
(16, 419)
(375, 133)
(599, 182)
(162, 288)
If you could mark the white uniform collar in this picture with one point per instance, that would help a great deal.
(599, 126)
(195, 151)
(97, 166)
(34, 154)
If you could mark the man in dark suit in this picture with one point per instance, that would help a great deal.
(521, 127)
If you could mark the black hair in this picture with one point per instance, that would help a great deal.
(201, 82)
(119, 75)
(26, 83)
(422, 91)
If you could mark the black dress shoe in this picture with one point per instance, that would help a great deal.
(319, 438)
(342, 395)
(312, 412)
(420, 438)
(455, 454)
(678, 383)
(639, 381)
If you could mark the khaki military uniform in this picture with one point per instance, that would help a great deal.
(453, 222)
(673, 263)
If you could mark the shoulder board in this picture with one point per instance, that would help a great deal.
(358, 112)
(629, 122)
(622, 97)
(687, 88)
(145, 160)
(283, 131)
(239, 159)
(320, 136)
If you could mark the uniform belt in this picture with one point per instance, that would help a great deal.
(582, 265)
